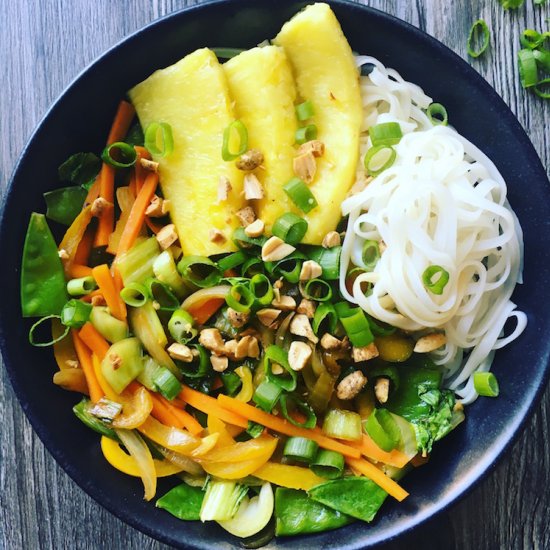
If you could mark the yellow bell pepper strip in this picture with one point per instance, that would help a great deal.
(73, 236)
(380, 478)
(217, 426)
(209, 405)
(171, 438)
(371, 450)
(207, 444)
(125, 463)
(71, 380)
(283, 426)
(108, 287)
(64, 352)
(247, 388)
(136, 408)
(285, 475)
(238, 452)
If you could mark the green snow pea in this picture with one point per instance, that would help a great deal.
(183, 501)
(43, 287)
(297, 514)
(64, 205)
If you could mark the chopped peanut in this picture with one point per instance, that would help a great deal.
(250, 160)
(150, 165)
(63, 254)
(277, 369)
(310, 270)
(211, 339)
(180, 352)
(307, 307)
(332, 239)
(230, 348)
(216, 236)
(301, 327)
(430, 342)
(72, 364)
(305, 167)
(99, 206)
(315, 147)
(246, 215)
(252, 187)
(167, 236)
(253, 347)
(154, 210)
(351, 385)
(382, 389)
(365, 353)
(276, 249)
(298, 355)
(236, 318)
(224, 188)
(268, 316)
(331, 343)
(255, 229)
(219, 364)
(284, 303)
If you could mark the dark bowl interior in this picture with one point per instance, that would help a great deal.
(79, 121)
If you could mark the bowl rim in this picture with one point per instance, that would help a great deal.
(466, 485)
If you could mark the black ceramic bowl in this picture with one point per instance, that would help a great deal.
(80, 119)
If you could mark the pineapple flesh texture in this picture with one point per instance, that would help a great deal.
(325, 74)
(193, 97)
(262, 86)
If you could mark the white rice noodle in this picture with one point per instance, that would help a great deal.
(443, 202)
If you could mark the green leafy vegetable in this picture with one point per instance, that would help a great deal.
(511, 4)
(80, 169)
(183, 501)
(63, 205)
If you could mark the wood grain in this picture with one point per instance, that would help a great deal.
(44, 45)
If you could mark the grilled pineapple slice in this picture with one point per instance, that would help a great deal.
(262, 86)
(192, 96)
(326, 75)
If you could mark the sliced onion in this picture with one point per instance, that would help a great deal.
(186, 464)
(174, 439)
(204, 294)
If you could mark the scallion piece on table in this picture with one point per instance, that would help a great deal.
(239, 129)
(328, 464)
(261, 288)
(305, 134)
(75, 313)
(539, 88)
(290, 228)
(32, 338)
(355, 324)
(385, 133)
(370, 254)
(168, 385)
(81, 286)
(119, 155)
(435, 279)
(282, 374)
(300, 449)
(181, 327)
(342, 424)
(383, 430)
(267, 395)
(317, 290)
(325, 315)
(158, 139)
(486, 384)
(437, 114)
(378, 159)
(528, 71)
(134, 294)
(240, 298)
(200, 271)
(232, 261)
(310, 419)
(106, 410)
(532, 39)
(542, 57)
(304, 110)
(479, 32)
(300, 194)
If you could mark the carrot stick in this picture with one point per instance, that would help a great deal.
(163, 414)
(210, 405)
(108, 288)
(188, 421)
(379, 477)
(85, 247)
(121, 124)
(132, 184)
(204, 311)
(93, 192)
(137, 214)
(154, 227)
(283, 426)
(85, 358)
(371, 450)
(105, 386)
(91, 337)
(88, 297)
(79, 270)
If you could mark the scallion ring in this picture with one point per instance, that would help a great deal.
(242, 134)
(385, 133)
(478, 31)
(252, 266)
(310, 420)
(240, 298)
(328, 464)
(282, 374)
(370, 254)
(324, 317)
(200, 271)
(378, 159)
(168, 385)
(75, 313)
(162, 294)
(486, 384)
(305, 134)
(539, 91)
(181, 326)
(261, 288)
(300, 194)
(135, 294)
(528, 71)
(81, 286)
(158, 139)
(435, 278)
(267, 395)
(532, 39)
(194, 371)
(232, 261)
(437, 114)
(317, 290)
(35, 326)
(304, 110)
(300, 449)
(342, 424)
(542, 57)
(383, 429)
(290, 228)
(355, 324)
(119, 155)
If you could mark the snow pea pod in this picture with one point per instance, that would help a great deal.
(183, 501)
(64, 205)
(297, 514)
(43, 289)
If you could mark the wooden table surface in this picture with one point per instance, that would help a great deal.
(44, 45)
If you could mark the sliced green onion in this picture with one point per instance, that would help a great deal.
(267, 395)
(227, 53)
(254, 429)
(385, 133)
(200, 271)
(126, 155)
(252, 267)
(300, 449)
(435, 278)
(355, 324)
(310, 420)
(231, 382)
(378, 159)
(75, 313)
(304, 110)
(232, 261)
(328, 259)
(181, 327)
(539, 91)
(192, 370)
(221, 500)
(168, 385)
(300, 194)
(342, 424)
(162, 294)
(286, 379)
(135, 294)
(486, 384)
(378, 328)
(81, 286)
(328, 464)
(240, 298)
(384, 370)
(290, 228)
(383, 429)
(542, 57)
(242, 133)
(317, 289)
(240, 238)
(305, 134)
(370, 254)
(35, 326)
(325, 313)
(106, 410)
(261, 288)
(528, 72)
(158, 139)
(532, 39)
(437, 114)
(511, 4)
(479, 30)
(289, 268)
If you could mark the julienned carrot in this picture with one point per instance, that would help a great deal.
(79, 270)
(154, 227)
(108, 288)
(163, 414)
(210, 405)
(379, 477)
(188, 420)
(137, 214)
(85, 358)
(105, 386)
(82, 254)
(93, 340)
(121, 124)
(283, 426)
(204, 311)
(169, 415)
(371, 450)
(88, 297)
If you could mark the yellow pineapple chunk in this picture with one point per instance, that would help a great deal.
(326, 74)
(262, 86)
(192, 96)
